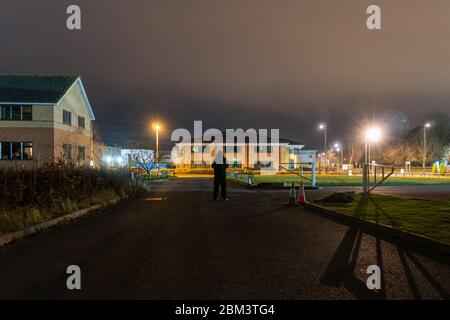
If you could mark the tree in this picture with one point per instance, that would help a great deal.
(355, 151)
(398, 153)
(434, 169)
(140, 156)
(442, 168)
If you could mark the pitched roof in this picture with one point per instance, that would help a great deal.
(32, 88)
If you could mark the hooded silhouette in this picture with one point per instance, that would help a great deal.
(220, 175)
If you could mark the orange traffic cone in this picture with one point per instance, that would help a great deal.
(292, 196)
(301, 194)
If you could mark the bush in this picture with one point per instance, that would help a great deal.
(442, 168)
(434, 169)
(57, 184)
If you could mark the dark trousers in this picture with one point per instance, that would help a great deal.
(222, 182)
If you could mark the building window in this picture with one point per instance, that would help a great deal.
(81, 153)
(67, 117)
(5, 149)
(5, 113)
(291, 164)
(16, 150)
(16, 112)
(27, 153)
(81, 122)
(27, 113)
(67, 151)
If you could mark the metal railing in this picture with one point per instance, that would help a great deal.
(384, 171)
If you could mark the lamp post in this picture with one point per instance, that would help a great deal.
(323, 127)
(157, 127)
(340, 150)
(424, 156)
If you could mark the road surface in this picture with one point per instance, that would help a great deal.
(178, 244)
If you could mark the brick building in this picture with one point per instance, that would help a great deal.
(44, 118)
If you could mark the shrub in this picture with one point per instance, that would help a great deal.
(442, 168)
(434, 168)
(57, 185)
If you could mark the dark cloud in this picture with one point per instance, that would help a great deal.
(256, 63)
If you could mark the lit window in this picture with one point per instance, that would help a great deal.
(27, 153)
(27, 113)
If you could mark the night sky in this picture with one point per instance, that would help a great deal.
(240, 63)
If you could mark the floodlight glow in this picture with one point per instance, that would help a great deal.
(119, 159)
(321, 126)
(427, 125)
(373, 134)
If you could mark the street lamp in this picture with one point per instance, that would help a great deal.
(156, 126)
(424, 156)
(323, 127)
(340, 150)
(372, 135)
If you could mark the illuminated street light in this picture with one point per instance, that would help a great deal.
(424, 156)
(323, 127)
(340, 151)
(156, 126)
(372, 134)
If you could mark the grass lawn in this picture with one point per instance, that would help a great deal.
(425, 217)
(341, 180)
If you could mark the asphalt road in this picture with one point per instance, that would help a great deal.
(178, 244)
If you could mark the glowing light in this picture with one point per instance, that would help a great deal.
(373, 134)
(156, 126)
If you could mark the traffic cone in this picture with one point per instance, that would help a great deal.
(292, 196)
(301, 194)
